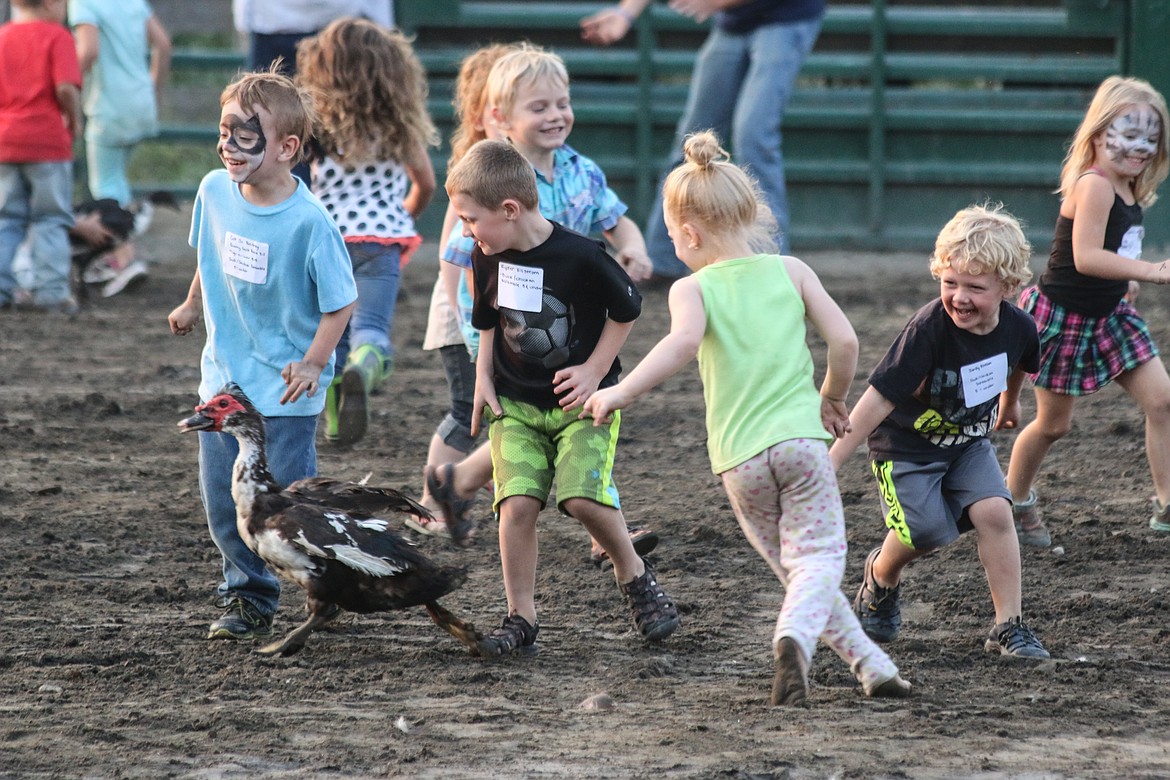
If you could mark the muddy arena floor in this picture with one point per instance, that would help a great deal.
(107, 573)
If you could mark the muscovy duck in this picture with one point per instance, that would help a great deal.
(323, 534)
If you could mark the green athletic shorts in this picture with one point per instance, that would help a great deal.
(532, 446)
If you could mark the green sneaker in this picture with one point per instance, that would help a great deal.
(371, 364)
(332, 403)
(241, 621)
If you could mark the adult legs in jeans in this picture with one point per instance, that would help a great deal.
(34, 201)
(764, 64)
(292, 455)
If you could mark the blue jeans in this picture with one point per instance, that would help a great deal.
(292, 455)
(739, 89)
(35, 201)
(376, 271)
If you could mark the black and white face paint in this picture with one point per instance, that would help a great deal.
(241, 146)
(1133, 136)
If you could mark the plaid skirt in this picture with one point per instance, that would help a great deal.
(1079, 355)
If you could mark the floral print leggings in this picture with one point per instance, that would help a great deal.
(787, 503)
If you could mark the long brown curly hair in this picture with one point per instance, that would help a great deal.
(369, 90)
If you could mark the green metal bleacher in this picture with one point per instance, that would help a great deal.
(904, 112)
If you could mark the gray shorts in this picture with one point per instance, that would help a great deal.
(925, 504)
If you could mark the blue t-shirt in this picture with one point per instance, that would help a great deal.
(268, 274)
(119, 94)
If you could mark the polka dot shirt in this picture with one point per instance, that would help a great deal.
(366, 200)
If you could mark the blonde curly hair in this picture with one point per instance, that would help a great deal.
(984, 239)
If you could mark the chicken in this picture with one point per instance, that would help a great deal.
(325, 535)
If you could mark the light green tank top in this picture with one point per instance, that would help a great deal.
(756, 368)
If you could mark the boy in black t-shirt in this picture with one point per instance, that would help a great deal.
(553, 309)
(951, 377)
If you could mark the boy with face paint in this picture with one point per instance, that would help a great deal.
(1090, 331)
(275, 286)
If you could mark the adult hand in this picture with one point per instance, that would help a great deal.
(607, 26)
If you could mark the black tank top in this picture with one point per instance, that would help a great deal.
(1091, 296)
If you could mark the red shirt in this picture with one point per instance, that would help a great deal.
(34, 58)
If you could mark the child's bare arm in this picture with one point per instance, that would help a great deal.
(69, 99)
(688, 322)
(303, 376)
(1093, 198)
(187, 314)
(576, 383)
(630, 247)
(871, 409)
(422, 181)
(485, 386)
(86, 41)
(834, 327)
(160, 54)
(1009, 402)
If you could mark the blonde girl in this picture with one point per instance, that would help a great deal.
(742, 313)
(1090, 332)
(373, 174)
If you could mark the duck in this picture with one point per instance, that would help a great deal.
(330, 537)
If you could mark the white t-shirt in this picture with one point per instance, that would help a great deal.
(305, 16)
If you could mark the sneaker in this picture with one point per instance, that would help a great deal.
(893, 688)
(654, 613)
(1016, 639)
(241, 621)
(790, 685)
(876, 607)
(352, 414)
(332, 399)
(515, 635)
(132, 275)
(1029, 525)
(100, 271)
(1161, 519)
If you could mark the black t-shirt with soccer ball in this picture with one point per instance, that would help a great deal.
(548, 306)
(945, 383)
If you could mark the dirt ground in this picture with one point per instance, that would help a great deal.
(108, 573)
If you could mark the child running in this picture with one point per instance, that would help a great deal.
(374, 176)
(449, 321)
(276, 290)
(952, 375)
(553, 310)
(524, 97)
(1090, 332)
(766, 424)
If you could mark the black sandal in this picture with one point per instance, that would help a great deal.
(515, 635)
(459, 522)
(655, 614)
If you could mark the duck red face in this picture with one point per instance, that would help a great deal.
(211, 415)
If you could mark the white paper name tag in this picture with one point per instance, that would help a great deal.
(520, 287)
(985, 379)
(244, 258)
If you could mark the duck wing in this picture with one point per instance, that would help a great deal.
(360, 542)
(354, 497)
